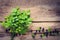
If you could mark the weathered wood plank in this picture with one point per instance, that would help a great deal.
(40, 13)
(35, 26)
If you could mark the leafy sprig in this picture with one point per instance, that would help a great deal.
(18, 21)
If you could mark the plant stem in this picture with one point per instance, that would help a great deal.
(12, 36)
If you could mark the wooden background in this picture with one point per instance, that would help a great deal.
(45, 13)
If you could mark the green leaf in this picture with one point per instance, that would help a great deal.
(14, 10)
(28, 12)
(49, 29)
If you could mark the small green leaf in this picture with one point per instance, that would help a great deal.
(14, 10)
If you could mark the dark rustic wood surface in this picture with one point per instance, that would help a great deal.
(45, 13)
